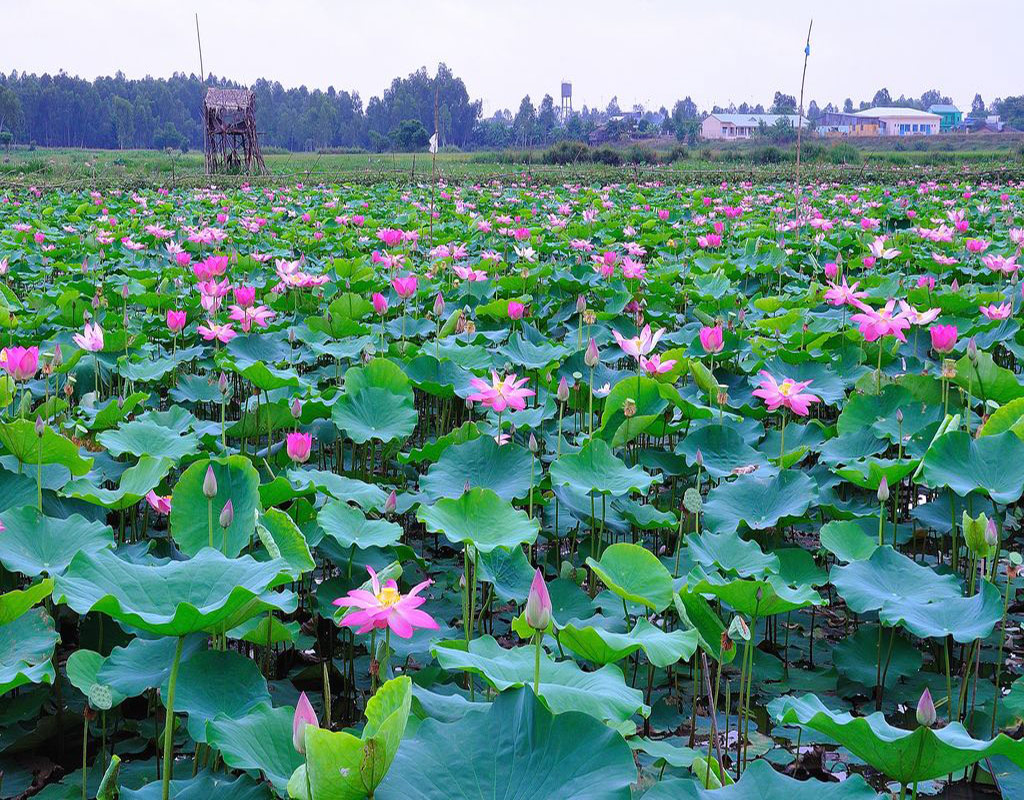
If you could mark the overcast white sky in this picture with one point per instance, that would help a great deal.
(648, 51)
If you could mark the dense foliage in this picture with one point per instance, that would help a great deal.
(504, 490)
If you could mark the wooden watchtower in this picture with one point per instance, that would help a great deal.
(232, 145)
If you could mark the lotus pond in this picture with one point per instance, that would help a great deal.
(512, 491)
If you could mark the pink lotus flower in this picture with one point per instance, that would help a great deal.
(994, 312)
(405, 287)
(501, 393)
(222, 333)
(655, 366)
(926, 282)
(161, 505)
(844, 294)
(946, 261)
(789, 394)
(260, 315)
(386, 607)
(298, 446)
(918, 317)
(998, 263)
(516, 309)
(943, 337)
(470, 274)
(879, 250)
(91, 338)
(380, 304)
(245, 296)
(210, 267)
(831, 270)
(304, 715)
(538, 604)
(710, 241)
(711, 339)
(390, 236)
(638, 345)
(976, 246)
(21, 363)
(176, 320)
(876, 324)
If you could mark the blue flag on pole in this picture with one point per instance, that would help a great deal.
(807, 50)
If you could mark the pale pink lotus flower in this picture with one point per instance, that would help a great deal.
(501, 393)
(655, 366)
(946, 261)
(210, 267)
(21, 363)
(998, 263)
(469, 274)
(380, 304)
(874, 325)
(386, 607)
(391, 237)
(844, 294)
(918, 317)
(639, 345)
(405, 287)
(160, 504)
(222, 333)
(789, 394)
(711, 339)
(304, 715)
(298, 446)
(994, 312)
(926, 282)
(91, 339)
(633, 269)
(879, 250)
(943, 337)
(260, 315)
(976, 246)
(176, 320)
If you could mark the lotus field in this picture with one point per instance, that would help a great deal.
(512, 491)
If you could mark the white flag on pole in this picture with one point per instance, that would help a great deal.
(433, 143)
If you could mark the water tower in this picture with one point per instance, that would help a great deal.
(566, 100)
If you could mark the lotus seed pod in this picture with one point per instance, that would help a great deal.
(692, 501)
(629, 408)
(100, 697)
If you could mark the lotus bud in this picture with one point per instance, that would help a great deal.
(899, 415)
(40, 427)
(581, 304)
(926, 715)
(210, 484)
(58, 357)
(738, 629)
(391, 503)
(883, 490)
(563, 390)
(972, 350)
(296, 408)
(291, 336)
(467, 487)
(974, 533)
(227, 514)
(591, 357)
(304, 715)
(438, 305)
(629, 408)
(124, 292)
(991, 535)
(538, 604)
(222, 384)
(534, 447)
(699, 458)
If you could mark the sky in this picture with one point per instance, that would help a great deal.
(642, 51)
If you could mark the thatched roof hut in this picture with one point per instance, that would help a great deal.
(232, 143)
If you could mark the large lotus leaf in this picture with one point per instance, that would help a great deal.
(867, 473)
(889, 577)
(17, 601)
(846, 540)
(83, 668)
(261, 740)
(516, 750)
(904, 756)
(993, 465)
(237, 481)
(481, 462)
(635, 574)
(145, 663)
(381, 374)
(723, 450)
(731, 554)
(283, 539)
(696, 611)
(144, 437)
(595, 468)
(205, 786)
(19, 438)
(755, 598)
(760, 782)
(863, 411)
(345, 767)
(602, 693)
(856, 657)
(26, 647)
(209, 592)
(215, 682)
(479, 517)
(35, 544)
(757, 502)
(375, 413)
(605, 647)
(987, 380)
(963, 618)
(367, 496)
(135, 483)
(509, 571)
(350, 527)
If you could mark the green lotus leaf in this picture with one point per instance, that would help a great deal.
(904, 756)
(847, 541)
(367, 496)
(595, 469)
(145, 663)
(375, 413)
(993, 465)
(209, 592)
(515, 749)
(856, 657)
(261, 740)
(986, 379)
(35, 544)
(505, 470)
(205, 786)
(635, 574)
(283, 539)
(350, 527)
(723, 450)
(237, 481)
(481, 518)
(135, 483)
(83, 668)
(759, 503)
(20, 440)
(867, 473)
(755, 598)
(564, 687)
(144, 437)
(380, 373)
(215, 682)
(963, 618)
(731, 554)
(606, 647)
(26, 647)
(695, 611)
(17, 601)
(889, 577)
(760, 782)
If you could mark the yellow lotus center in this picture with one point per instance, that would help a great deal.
(388, 596)
(785, 388)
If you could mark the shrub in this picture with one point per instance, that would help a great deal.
(567, 152)
(677, 153)
(844, 153)
(606, 155)
(637, 154)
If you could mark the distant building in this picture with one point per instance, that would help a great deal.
(983, 123)
(834, 124)
(950, 116)
(902, 121)
(742, 126)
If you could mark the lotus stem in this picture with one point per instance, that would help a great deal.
(538, 639)
(172, 682)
